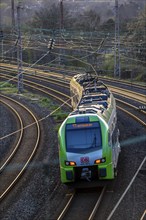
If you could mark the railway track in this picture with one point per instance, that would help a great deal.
(130, 109)
(138, 114)
(141, 88)
(84, 203)
(19, 158)
(52, 85)
(59, 72)
(17, 135)
(129, 94)
(47, 90)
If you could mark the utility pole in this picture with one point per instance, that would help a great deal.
(13, 22)
(61, 28)
(117, 68)
(61, 15)
(19, 51)
(13, 14)
(2, 45)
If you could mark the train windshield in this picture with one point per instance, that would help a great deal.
(83, 137)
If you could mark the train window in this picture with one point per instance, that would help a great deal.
(82, 119)
(82, 137)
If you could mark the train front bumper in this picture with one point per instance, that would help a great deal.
(71, 174)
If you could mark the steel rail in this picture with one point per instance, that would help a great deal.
(136, 118)
(117, 90)
(143, 215)
(132, 106)
(4, 193)
(39, 69)
(132, 115)
(126, 190)
(46, 77)
(19, 139)
(64, 211)
(30, 71)
(139, 95)
(43, 91)
(91, 217)
(123, 82)
(92, 213)
(126, 93)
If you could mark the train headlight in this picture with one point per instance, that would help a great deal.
(98, 161)
(70, 163)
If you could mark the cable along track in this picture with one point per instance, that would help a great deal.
(26, 148)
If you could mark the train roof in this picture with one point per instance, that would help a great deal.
(90, 83)
(94, 109)
(95, 99)
(84, 78)
(95, 96)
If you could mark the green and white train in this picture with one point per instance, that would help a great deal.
(89, 137)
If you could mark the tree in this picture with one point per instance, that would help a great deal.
(88, 21)
(46, 18)
(136, 35)
(49, 17)
(108, 25)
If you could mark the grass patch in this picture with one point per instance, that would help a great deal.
(46, 102)
(8, 88)
(59, 114)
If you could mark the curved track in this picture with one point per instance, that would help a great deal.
(24, 151)
(52, 85)
(18, 136)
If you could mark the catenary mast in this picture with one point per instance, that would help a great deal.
(19, 50)
(117, 69)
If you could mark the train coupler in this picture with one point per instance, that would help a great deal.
(86, 174)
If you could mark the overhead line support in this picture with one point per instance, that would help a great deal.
(19, 51)
(117, 68)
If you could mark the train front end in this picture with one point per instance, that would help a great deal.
(84, 152)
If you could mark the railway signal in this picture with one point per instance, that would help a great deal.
(1, 34)
(51, 44)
